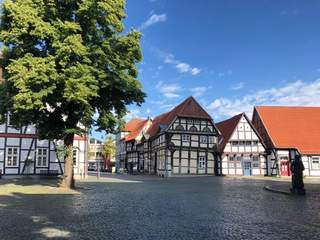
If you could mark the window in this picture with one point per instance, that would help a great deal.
(206, 129)
(185, 137)
(74, 156)
(42, 157)
(189, 121)
(98, 154)
(315, 164)
(193, 129)
(255, 143)
(203, 139)
(241, 143)
(92, 141)
(248, 143)
(12, 156)
(180, 127)
(202, 162)
(255, 161)
(231, 162)
(234, 143)
(210, 139)
(255, 158)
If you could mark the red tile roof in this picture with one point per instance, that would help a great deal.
(188, 108)
(226, 128)
(292, 127)
(134, 127)
(132, 124)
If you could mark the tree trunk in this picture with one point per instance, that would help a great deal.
(68, 180)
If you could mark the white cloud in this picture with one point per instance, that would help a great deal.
(195, 71)
(297, 93)
(237, 86)
(169, 90)
(169, 58)
(198, 91)
(183, 67)
(153, 19)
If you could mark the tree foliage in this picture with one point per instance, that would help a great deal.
(109, 148)
(64, 61)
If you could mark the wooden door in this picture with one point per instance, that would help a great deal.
(285, 168)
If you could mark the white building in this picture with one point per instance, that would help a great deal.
(22, 153)
(287, 131)
(241, 148)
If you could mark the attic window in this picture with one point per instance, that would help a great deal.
(206, 129)
(193, 129)
(180, 127)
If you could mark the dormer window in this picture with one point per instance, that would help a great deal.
(206, 129)
(180, 128)
(193, 129)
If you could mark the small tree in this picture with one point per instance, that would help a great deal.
(63, 61)
(109, 149)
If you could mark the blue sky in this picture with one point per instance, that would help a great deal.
(230, 55)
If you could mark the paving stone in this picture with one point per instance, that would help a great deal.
(140, 207)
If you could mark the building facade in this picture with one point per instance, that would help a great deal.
(241, 148)
(22, 153)
(96, 159)
(287, 132)
(181, 141)
(128, 145)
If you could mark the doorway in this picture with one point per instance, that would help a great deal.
(247, 168)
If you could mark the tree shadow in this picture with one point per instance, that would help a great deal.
(30, 181)
(33, 216)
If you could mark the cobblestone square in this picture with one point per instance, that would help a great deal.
(148, 207)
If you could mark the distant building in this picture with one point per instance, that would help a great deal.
(288, 131)
(127, 141)
(96, 158)
(241, 148)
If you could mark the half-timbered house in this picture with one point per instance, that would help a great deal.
(22, 153)
(183, 141)
(129, 147)
(241, 148)
(288, 131)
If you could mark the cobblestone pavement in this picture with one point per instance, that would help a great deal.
(136, 207)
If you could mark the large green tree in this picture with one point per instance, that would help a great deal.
(65, 60)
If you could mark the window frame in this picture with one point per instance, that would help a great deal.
(202, 162)
(203, 139)
(185, 137)
(40, 163)
(312, 163)
(12, 155)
